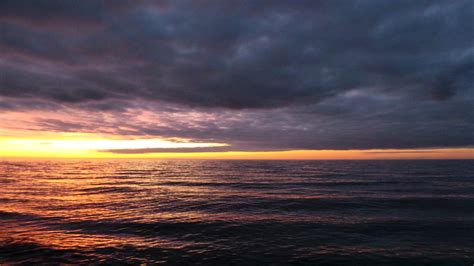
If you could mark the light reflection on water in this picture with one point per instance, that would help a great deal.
(207, 212)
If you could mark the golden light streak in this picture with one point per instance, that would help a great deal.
(99, 144)
(15, 152)
(80, 145)
(20, 137)
(22, 144)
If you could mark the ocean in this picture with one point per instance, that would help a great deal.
(198, 212)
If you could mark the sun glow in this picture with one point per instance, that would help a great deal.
(22, 144)
(69, 145)
(100, 144)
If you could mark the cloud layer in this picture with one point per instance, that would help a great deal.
(259, 75)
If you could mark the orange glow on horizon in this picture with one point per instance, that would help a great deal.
(460, 153)
(19, 138)
(87, 145)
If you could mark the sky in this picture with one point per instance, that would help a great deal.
(330, 79)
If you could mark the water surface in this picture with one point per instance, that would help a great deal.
(237, 212)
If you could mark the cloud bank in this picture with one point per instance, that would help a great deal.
(258, 75)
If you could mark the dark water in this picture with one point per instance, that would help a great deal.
(237, 212)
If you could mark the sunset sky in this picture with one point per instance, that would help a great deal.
(237, 79)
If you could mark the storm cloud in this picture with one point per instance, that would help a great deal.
(258, 75)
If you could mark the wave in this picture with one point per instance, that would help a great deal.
(237, 212)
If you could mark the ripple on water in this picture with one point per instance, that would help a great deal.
(234, 212)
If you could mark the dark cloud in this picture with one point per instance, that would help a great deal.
(168, 150)
(52, 11)
(402, 152)
(271, 74)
